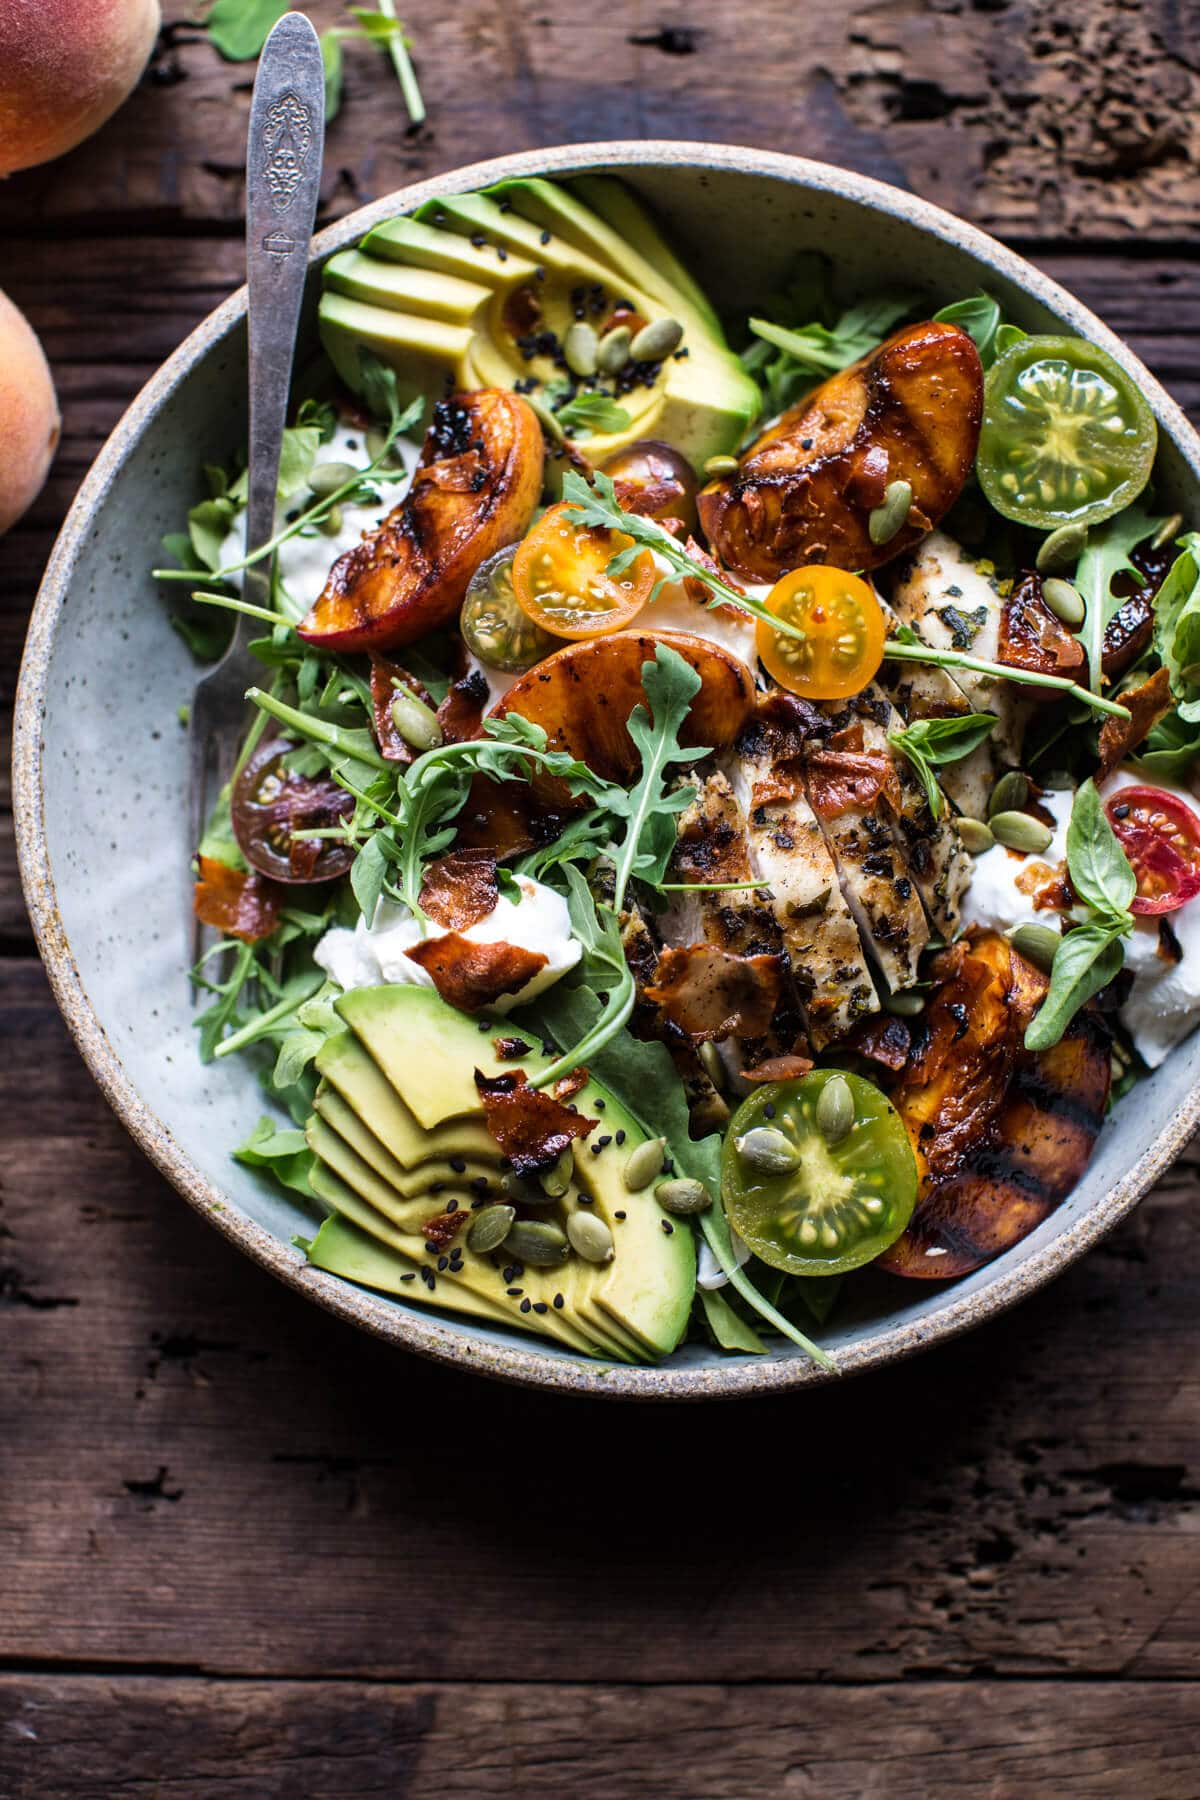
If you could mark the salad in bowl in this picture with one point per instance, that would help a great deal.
(717, 817)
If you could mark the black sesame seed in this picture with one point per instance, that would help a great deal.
(501, 252)
(599, 1104)
(668, 1228)
(479, 1185)
(768, 1111)
(479, 1200)
(458, 1165)
(478, 239)
(596, 1149)
(484, 1025)
(515, 1292)
(606, 1139)
(558, 1301)
(412, 1276)
(451, 1205)
(526, 1305)
(586, 1200)
(620, 1137)
(547, 1049)
(620, 1215)
(443, 1263)
(435, 1187)
(545, 237)
(433, 1249)
(539, 1306)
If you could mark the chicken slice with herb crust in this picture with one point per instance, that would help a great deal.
(787, 848)
(931, 848)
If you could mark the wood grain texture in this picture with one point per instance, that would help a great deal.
(80, 1739)
(1043, 118)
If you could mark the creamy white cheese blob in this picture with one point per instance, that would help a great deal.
(1164, 1002)
(709, 1273)
(305, 561)
(376, 955)
(674, 609)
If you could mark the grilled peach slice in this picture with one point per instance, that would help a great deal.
(475, 489)
(909, 411)
(583, 695)
(1034, 1117)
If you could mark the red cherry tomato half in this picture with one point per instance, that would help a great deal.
(1160, 834)
(270, 802)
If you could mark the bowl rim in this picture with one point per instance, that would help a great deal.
(427, 1334)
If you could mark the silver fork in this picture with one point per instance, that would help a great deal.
(283, 179)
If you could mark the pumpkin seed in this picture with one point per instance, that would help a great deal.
(1021, 831)
(332, 523)
(1010, 793)
(1037, 944)
(714, 1068)
(1064, 601)
(682, 1195)
(975, 835)
(376, 443)
(590, 1237)
(538, 1243)
(1169, 529)
(328, 477)
(614, 350)
(905, 1005)
(643, 1164)
(547, 418)
(887, 519)
(1061, 550)
(555, 1181)
(721, 465)
(580, 347)
(768, 1150)
(656, 340)
(835, 1109)
(489, 1228)
(417, 725)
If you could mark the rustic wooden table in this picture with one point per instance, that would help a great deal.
(246, 1551)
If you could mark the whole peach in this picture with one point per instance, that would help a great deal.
(29, 421)
(65, 67)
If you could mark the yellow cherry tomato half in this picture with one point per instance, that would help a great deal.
(844, 632)
(561, 581)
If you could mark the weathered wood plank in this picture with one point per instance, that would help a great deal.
(1077, 119)
(201, 1470)
(77, 1738)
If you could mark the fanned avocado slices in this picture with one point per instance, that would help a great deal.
(411, 1058)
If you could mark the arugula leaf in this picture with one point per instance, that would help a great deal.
(1092, 954)
(587, 413)
(368, 872)
(582, 839)
(238, 29)
(209, 525)
(322, 414)
(979, 316)
(1177, 627)
(284, 1153)
(930, 743)
(1086, 961)
(1171, 748)
(1100, 870)
(1105, 555)
(787, 362)
(670, 685)
(296, 456)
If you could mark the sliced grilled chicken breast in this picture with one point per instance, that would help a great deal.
(931, 848)
(952, 603)
(924, 691)
(787, 848)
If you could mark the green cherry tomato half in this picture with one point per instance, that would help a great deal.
(494, 625)
(1066, 438)
(844, 1201)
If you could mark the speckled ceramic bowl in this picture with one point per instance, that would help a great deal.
(100, 764)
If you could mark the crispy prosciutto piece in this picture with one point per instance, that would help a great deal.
(475, 490)
(711, 993)
(531, 1128)
(779, 1068)
(470, 975)
(459, 889)
(908, 411)
(240, 903)
(1147, 704)
(1001, 1134)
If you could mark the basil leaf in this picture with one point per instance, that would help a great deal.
(285, 1153)
(1100, 871)
(1086, 961)
(208, 527)
(368, 873)
(979, 316)
(238, 29)
(296, 455)
(729, 1331)
(587, 413)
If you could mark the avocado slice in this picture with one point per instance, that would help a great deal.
(350, 1068)
(407, 1211)
(434, 1173)
(427, 1050)
(529, 247)
(478, 1289)
(621, 209)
